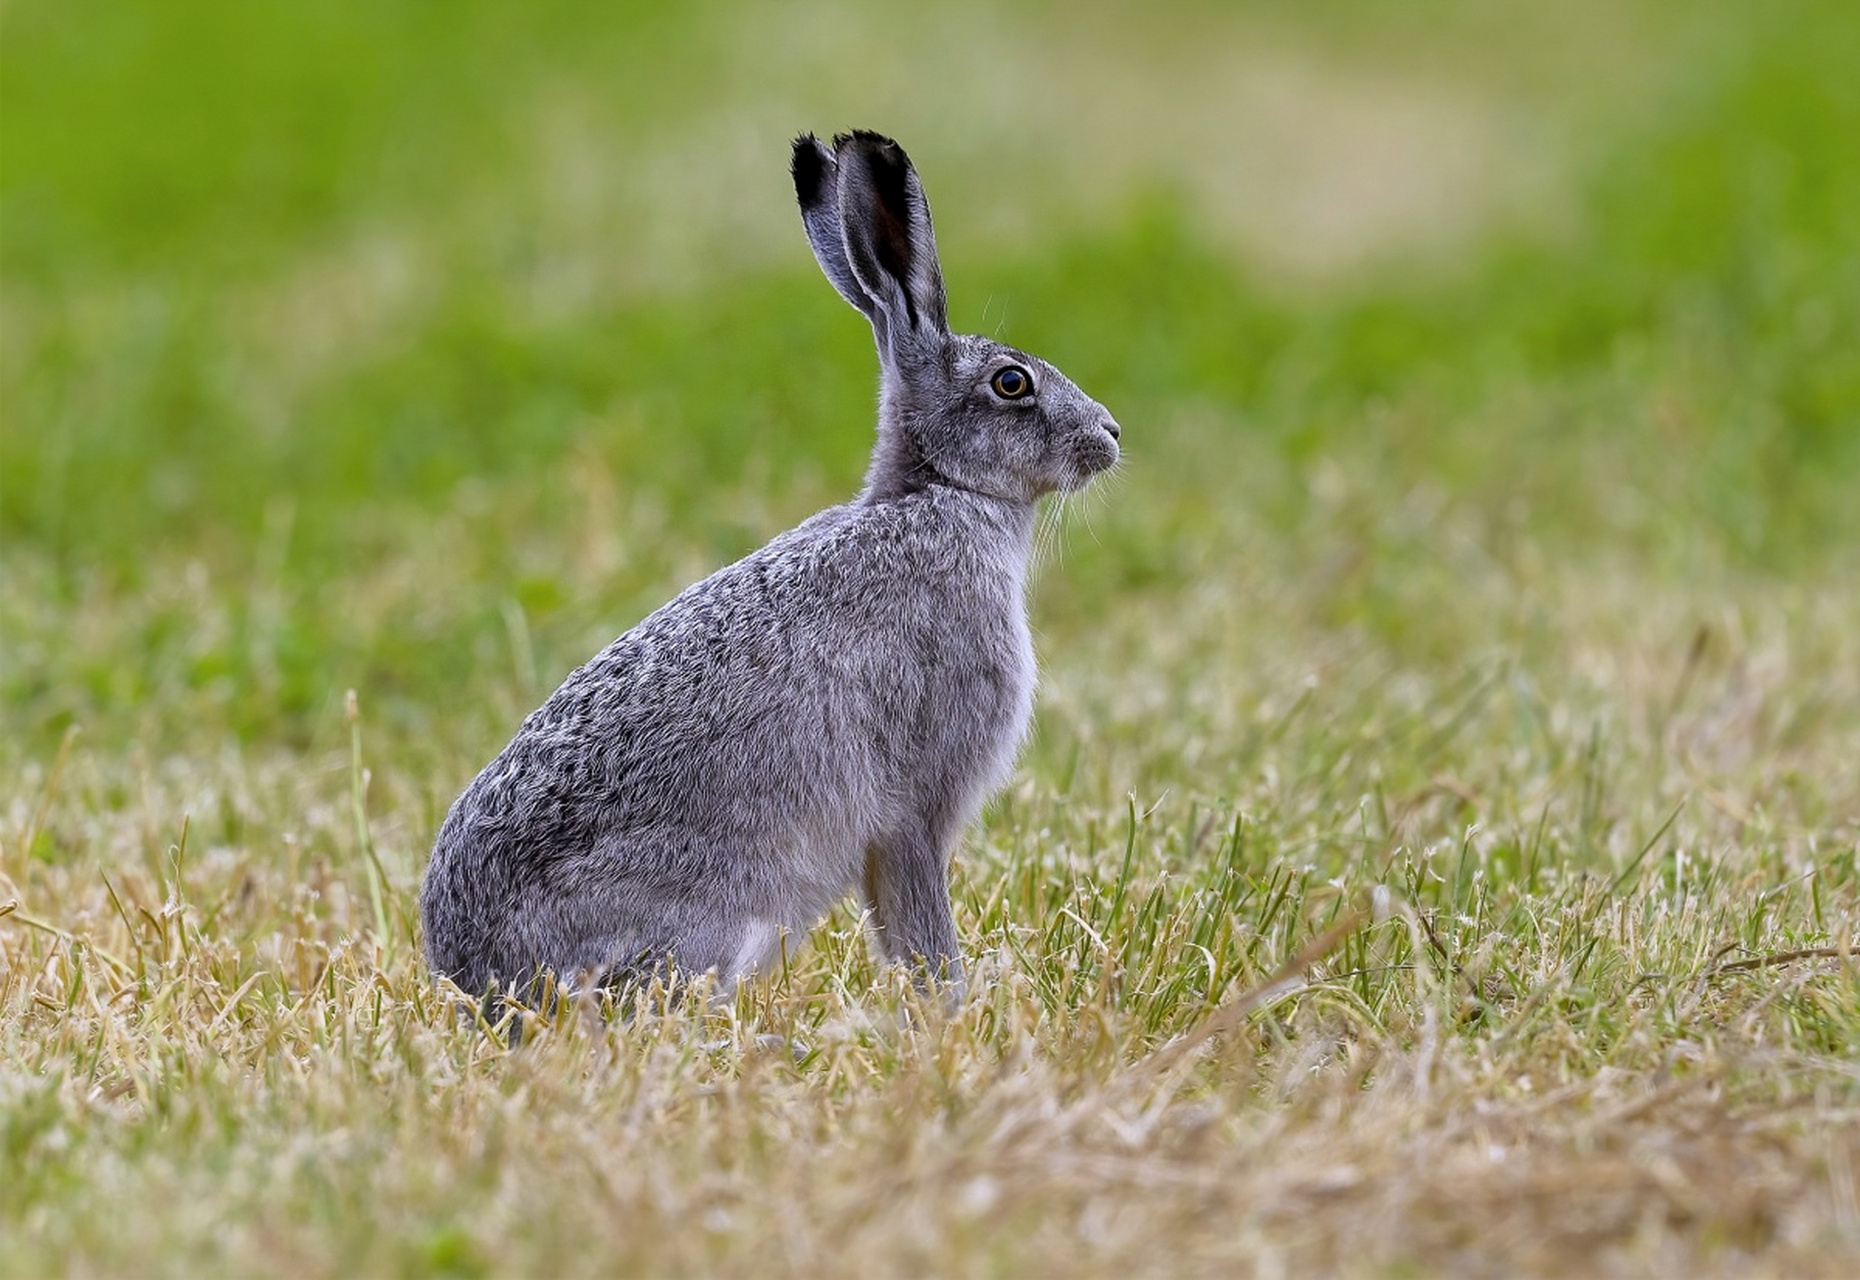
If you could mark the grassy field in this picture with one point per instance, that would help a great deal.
(1437, 849)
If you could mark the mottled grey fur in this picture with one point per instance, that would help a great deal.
(827, 713)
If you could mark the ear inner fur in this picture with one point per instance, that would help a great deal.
(890, 173)
(890, 243)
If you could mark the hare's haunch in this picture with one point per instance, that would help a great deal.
(827, 713)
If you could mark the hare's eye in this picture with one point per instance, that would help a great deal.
(1012, 383)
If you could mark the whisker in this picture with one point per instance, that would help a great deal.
(1085, 514)
(1042, 536)
(1061, 513)
(1051, 525)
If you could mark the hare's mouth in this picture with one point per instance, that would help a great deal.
(1089, 464)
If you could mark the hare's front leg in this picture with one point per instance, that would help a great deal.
(907, 892)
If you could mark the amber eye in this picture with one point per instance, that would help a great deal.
(1012, 383)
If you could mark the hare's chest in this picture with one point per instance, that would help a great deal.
(958, 692)
(1019, 675)
(997, 703)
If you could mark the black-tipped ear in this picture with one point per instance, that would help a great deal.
(817, 187)
(813, 170)
(890, 244)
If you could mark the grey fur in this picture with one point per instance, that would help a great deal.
(827, 713)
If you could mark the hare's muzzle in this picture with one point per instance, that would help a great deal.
(1094, 452)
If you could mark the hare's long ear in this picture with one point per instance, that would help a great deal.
(817, 187)
(889, 242)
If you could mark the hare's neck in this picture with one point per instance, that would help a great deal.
(888, 481)
(1000, 529)
(1015, 521)
(986, 531)
(899, 469)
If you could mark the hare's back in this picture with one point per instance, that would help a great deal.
(728, 691)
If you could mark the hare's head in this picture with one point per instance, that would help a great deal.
(955, 408)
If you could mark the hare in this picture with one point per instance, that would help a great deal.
(828, 713)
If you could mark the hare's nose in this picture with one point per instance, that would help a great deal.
(1111, 428)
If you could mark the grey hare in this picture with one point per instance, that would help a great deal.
(827, 713)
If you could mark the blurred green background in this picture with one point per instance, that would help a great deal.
(420, 348)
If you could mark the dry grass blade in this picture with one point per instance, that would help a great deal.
(72, 940)
(1786, 957)
(1286, 979)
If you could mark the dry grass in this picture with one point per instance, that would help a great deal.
(1508, 1010)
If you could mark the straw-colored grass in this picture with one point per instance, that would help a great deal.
(1472, 971)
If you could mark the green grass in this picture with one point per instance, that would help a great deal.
(1436, 853)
